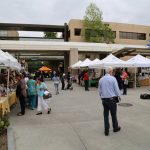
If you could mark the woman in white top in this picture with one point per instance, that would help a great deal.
(41, 87)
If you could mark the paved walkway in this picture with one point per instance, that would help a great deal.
(76, 123)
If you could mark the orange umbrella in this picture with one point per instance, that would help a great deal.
(44, 68)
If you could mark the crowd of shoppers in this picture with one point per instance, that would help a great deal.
(30, 90)
(109, 90)
(30, 93)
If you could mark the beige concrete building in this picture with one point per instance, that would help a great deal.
(124, 33)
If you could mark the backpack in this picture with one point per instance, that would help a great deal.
(145, 96)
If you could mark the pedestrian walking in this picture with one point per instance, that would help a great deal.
(41, 87)
(31, 83)
(86, 81)
(56, 81)
(110, 94)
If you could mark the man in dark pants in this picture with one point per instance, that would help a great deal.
(109, 93)
(63, 81)
(21, 93)
(86, 81)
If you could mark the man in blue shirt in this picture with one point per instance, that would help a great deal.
(109, 93)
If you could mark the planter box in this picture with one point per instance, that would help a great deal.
(3, 140)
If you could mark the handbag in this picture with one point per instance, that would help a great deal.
(117, 99)
(126, 82)
(47, 95)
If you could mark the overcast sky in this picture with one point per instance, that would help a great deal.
(60, 11)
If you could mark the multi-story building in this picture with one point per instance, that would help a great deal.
(124, 33)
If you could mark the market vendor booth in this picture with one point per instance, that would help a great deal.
(7, 81)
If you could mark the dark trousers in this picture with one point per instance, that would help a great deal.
(124, 89)
(63, 85)
(110, 105)
(22, 104)
(86, 84)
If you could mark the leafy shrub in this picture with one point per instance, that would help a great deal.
(4, 122)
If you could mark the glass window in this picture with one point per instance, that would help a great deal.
(77, 32)
(114, 34)
(132, 35)
(3, 33)
(141, 36)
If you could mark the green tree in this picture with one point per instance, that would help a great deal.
(94, 29)
(50, 35)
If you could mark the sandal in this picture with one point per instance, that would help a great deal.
(49, 111)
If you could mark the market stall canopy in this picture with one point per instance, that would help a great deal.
(3, 61)
(138, 61)
(16, 64)
(95, 61)
(11, 57)
(85, 63)
(110, 60)
(44, 68)
(76, 65)
(9, 61)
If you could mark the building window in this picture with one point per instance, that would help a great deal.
(114, 34)
(3, 33)
(132, 35)
(77, 32)
(87, 56)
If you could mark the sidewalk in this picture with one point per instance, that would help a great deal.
(76, 123)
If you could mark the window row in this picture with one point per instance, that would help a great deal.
(77, 32)
(132, 35)
(122, 35)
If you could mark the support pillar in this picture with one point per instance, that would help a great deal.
(66, 62)
(73, 56)
(73, 59)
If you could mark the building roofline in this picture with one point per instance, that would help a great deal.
(122, 23)
(32, 27)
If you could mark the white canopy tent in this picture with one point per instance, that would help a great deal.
(110, 60)
(76, 65)
(9, 61)
(95, 61)
(15, 64)
(138, 61)
(85, 63)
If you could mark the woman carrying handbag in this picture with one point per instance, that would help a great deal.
(41, 87)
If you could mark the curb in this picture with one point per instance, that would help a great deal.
(11, 139)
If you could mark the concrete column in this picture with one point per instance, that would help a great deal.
(66, 62)
(73, 59)
(73, 56)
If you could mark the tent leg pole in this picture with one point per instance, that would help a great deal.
(8, 72)
(135, 79)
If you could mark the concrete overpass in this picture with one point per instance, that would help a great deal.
(45, 49)
(69, 50)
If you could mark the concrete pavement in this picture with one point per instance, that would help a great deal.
(76, 123)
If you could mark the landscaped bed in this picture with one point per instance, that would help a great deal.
(4, 123)
(3, 140)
